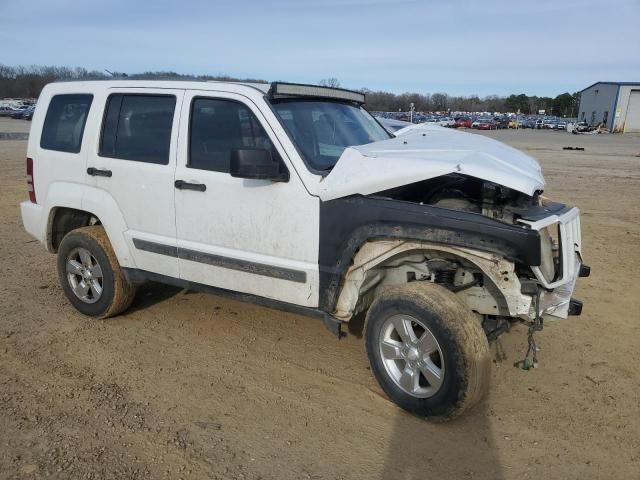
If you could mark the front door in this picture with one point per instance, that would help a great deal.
(253, 236)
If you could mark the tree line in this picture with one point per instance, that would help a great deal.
(564, 105)
(28, 81)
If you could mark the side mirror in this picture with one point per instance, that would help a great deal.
(257, 164)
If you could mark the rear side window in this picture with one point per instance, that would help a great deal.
(219, 127)
(138, 128)
(64, 123)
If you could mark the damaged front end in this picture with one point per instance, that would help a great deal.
(460, 210)
(501, 285)
(562, 265)
(558, 226)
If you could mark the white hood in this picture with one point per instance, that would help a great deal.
(429, 152)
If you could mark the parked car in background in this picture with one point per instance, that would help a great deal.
(22, 112)
(584, 127)
(487, 124)
(502, 122)
(446, 122)
(392, 125)
(562, 125)
(29, 115)
(548, 124)
(10, 110)
(463, 122)
(539, 123)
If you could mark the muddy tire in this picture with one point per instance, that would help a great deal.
(90, 274)
(427, 350)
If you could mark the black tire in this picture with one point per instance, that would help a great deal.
(461, 340)
(117, 294)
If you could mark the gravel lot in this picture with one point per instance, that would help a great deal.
(188, 385)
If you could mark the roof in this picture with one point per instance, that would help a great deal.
(263, 87)
(610, 83)
(274, 90)
(162, 83)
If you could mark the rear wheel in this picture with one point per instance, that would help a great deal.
(427, 350)
(90, 274)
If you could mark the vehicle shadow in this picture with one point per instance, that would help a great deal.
(151, 293)
(463, 448)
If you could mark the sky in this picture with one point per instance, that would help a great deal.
(460, 47)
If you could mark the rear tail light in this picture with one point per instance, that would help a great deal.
(30, 185)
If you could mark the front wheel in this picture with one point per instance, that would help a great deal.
(90, 274)
(427, 350)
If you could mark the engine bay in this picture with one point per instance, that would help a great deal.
(464, 193)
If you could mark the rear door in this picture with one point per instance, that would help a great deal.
(254, 236)
(134, 162)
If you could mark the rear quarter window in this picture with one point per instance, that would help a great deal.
(64, 123)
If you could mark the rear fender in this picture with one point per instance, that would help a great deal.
(97, 202)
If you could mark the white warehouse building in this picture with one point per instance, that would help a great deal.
(615, 104)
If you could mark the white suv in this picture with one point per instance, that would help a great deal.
(295, 197)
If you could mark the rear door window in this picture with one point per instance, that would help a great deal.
(138, 128)
(64, 123)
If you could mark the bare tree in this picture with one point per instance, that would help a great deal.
(439, 101)
(332, 82)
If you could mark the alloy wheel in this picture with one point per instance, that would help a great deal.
(84, 275)
(412, 356)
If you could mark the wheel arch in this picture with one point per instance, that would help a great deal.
(348, 224)
(72, 206)
(503, 283)
(63, 220)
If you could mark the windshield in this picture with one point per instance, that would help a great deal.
(322, 129)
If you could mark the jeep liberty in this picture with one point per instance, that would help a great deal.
(295, 197)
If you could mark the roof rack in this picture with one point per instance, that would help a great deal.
(288, 90)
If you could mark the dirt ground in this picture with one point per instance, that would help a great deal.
(188, 385)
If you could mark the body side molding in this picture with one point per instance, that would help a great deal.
(255, 268)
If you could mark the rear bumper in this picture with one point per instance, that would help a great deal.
(32, 220)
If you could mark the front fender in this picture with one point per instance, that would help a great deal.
(346, 224)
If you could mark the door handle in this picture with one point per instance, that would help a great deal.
(98, 173)
(182, 185)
